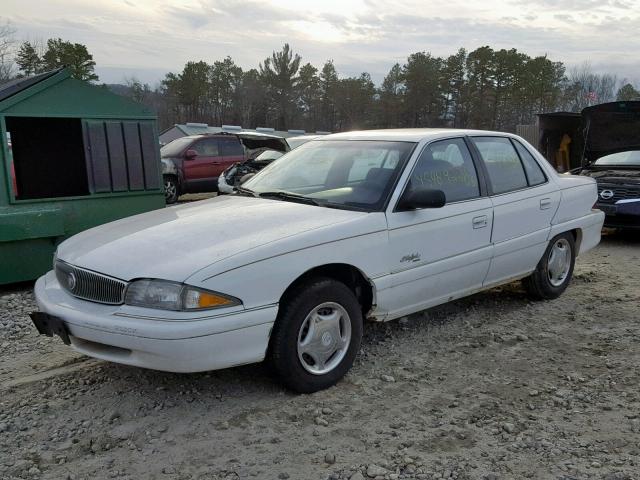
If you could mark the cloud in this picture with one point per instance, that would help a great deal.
(359, 35)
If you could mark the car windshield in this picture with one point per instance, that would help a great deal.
(342, 173)
(175, 148)
(631, 158)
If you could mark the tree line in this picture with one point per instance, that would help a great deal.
(484, 89)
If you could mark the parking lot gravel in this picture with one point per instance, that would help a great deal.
(493, 386)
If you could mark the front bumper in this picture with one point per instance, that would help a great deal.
(622, 214)
(139, 337)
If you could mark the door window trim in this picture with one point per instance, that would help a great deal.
(480, 174)
(546, 179)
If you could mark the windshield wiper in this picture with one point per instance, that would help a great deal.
(291, 197)
(245, 191)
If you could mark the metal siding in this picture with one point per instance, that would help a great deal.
(134, 155)
(530, 133)
(99, 157)
(117, 157)
(149, 146)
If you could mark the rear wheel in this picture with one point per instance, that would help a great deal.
(171, 191)
(553, 273)
(316, 336)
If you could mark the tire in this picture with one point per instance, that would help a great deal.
(553, 273)
(171, 190)
(317, 317)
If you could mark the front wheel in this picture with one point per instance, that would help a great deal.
(553, 273)
(171, 192)
(316, 336)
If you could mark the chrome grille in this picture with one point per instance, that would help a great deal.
(619, 192)
(90, 285)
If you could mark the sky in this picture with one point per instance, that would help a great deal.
(148, 38)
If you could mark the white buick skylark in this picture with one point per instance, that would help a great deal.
(371, 224)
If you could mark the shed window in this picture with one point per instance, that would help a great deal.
(48, 157)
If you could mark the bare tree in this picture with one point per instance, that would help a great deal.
(588, 88)
(7, 47)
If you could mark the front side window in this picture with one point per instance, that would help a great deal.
(349, 173)
(503, 164)
(447, 165)
(207, 148)
(175, 147)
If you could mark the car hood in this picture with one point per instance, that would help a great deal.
(173, 243)
(613, 175)
(611, 128)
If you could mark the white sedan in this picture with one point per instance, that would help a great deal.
(371, 224)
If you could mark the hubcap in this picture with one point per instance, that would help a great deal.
(559, 262)
(324, 337)
(169, 189)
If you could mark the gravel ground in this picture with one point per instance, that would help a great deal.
(490, 387)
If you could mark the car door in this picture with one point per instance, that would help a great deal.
(232, 152)
(201, 171)
(524, 202)
(441, 253)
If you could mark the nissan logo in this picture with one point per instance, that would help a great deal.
(606, 194)
(71, 281)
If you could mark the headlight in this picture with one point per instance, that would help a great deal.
(168, 295)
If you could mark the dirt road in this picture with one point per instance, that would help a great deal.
(490, 387)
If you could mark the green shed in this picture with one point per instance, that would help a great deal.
(72, 156)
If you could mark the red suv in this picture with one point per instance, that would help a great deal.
(193, 164)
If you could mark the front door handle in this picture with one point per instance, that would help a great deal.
(545, 203)
(479, 222)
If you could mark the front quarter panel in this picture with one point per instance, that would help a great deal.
(260, 282)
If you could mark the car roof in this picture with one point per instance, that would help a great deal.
(407, 134)
(235, 134)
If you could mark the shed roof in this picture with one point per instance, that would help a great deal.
(57, 94)
(19, 84)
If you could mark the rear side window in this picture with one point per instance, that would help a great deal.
(503, 164)
(447, 165)
(535, 176)
(231, 147)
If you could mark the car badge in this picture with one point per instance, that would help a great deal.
(606, 194)
(71, 281)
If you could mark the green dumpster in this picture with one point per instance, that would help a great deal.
(72, 156)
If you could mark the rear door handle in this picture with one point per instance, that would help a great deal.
(479, 222)
(545, 203)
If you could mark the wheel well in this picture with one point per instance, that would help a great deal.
(342, 272)
(577, 238)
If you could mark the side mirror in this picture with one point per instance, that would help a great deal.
(421, 198)
(189, 154)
